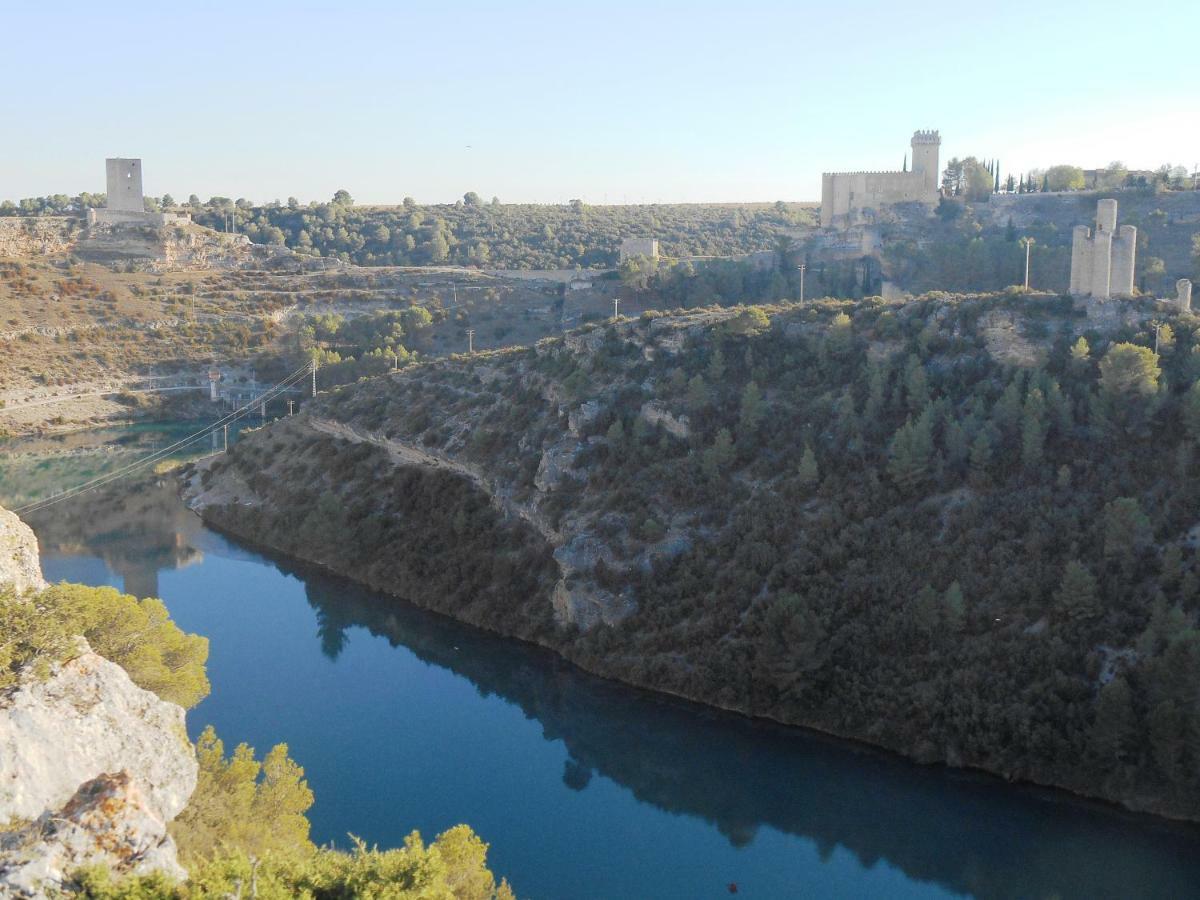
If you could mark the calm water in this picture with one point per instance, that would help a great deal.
(405, 720)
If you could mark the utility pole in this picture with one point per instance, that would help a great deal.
(291, 406)
(314, 378)
(803, 266)
(616, 306)
(471, 341)
(454, 293)
(1028, 244)
(225, 432)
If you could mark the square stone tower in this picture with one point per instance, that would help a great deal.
(925, 146)
(125, 185)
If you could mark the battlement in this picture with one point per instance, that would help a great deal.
(926, 137)
(869, 172)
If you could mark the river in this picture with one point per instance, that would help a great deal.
(407, 720)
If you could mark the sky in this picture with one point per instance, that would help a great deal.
(613, 102)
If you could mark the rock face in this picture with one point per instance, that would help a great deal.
(107, 821)
(19, 564)
(85, 720)
(92, 767)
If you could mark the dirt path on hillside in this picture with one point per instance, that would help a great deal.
(408, 455)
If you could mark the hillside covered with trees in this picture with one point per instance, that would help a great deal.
(962, 528)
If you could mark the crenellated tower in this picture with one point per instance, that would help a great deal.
(925, 146)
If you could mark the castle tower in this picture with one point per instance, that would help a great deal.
(1103, 258)
(125, 185)
(925, 146)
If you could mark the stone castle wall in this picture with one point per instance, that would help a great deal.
(852, 198)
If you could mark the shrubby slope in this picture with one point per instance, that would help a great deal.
(960, 528)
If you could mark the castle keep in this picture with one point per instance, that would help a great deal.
(1102, 260)
(850, 198)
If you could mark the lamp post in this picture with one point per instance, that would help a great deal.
(803, 266)
(1028, 241)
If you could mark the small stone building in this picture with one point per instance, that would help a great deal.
(1102, 260)
(631, 247)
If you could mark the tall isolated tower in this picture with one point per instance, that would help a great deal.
(124, 184)
(925, 146)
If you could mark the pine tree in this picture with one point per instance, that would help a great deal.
(916, 384)
(981, 456)
(1126, 529)
(1114, 724)
(716, 366)
(1077, 597)
(1191, 411)
(697, 393)
(750, 415)
(1033, 430)
(912, 451)
(1081, 353)
(718, 457)
(954, 607)
(808, 473)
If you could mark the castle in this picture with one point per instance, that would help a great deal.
(1102, 260)
(849, 198)
(125, 203)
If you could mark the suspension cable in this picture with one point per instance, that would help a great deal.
(157, 455)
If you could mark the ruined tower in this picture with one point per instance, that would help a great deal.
(125, 185)
(1102, 260)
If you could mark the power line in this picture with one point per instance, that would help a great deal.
(108, 478)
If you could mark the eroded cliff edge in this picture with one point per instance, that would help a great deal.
(92, 767)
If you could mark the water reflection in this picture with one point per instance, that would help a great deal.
(964, 833)
(970, 834)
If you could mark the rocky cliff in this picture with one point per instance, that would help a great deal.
(92, 767)
(19, 564)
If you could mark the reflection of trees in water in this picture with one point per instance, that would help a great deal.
(967, 833)
(137, 526)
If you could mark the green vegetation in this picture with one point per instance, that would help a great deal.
(886, 532)
(137, 635)
(507, 236)
(244, 829)
(245, 833)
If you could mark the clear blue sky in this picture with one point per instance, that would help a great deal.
(616, 101)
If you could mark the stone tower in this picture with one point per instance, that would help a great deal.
(1183, 295)
(125, 185)
(1102, 260)
(925, 146)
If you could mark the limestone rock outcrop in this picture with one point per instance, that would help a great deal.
(92, 767)
(85, 720)
(107, 821)
(19, 565)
